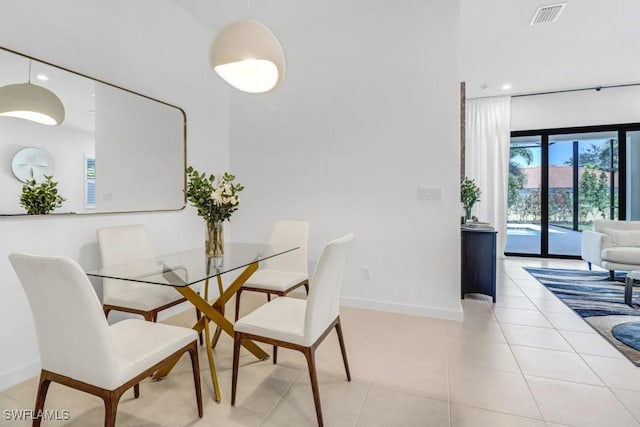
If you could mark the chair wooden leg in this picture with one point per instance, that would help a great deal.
(111, 400)
(238, 303)
(148, 316)
(309, 354)
(42, 395)
(216, 337)
(612, 275)
(136, 390)
(268, 297)
(343, 350)
(106, 312)
(237, 340)
(306, 288)
(275, 354)
(195, 366)
(589, 265)
(198, 315)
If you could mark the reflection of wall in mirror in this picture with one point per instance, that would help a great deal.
(125, 144)
(66, 146)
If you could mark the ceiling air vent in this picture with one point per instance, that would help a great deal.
(547, 14)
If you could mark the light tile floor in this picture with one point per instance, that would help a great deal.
(525, 361)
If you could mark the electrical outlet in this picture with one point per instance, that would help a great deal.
(366, 272)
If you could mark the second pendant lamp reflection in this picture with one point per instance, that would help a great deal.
(248, 56)
(31, 102)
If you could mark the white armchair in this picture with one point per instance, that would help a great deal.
(300, 324)
(284, 273)
(613, 245)
(80, 350)
(125, 244)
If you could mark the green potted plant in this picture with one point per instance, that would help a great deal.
(469, 195)
(42, 198)
(215, 199)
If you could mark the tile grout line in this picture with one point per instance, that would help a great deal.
(275, 405)
(580, 355)
(524, 378)
(372, 376)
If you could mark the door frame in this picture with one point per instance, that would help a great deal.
(544, 134)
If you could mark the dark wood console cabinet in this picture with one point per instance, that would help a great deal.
(478, 262)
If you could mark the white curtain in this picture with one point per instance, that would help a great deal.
(487, 139)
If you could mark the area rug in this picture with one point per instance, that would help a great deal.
(600, 303)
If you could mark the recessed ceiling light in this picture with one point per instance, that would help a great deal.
(506, 86)
(42, 77)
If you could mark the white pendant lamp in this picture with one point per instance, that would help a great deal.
(31, 102)
(248, 56)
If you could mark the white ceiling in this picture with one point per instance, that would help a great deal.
(594, 43)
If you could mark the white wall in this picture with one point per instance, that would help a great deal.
(367, 112)
(151, 47)
(580, 108)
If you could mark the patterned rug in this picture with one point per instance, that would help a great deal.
(600, 302)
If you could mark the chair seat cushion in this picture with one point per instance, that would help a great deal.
(282, 319)
(138, 345)
(278, 280)
(141, 296)
(622, 255)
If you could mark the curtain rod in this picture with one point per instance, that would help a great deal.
(596, 88)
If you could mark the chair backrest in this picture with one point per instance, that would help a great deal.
(122, 245)
(290, 233)
(73, 334)
(323, 302)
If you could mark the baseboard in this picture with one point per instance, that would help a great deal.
(18, 375)
(418, 310)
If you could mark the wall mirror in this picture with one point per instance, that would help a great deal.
(115, 151)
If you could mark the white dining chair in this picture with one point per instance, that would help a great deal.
(80, 350)
(301, 324)
(127, 244)
(282, 274)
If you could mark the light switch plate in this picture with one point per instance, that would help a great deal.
(430, 193)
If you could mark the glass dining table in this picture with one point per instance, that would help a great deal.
(182, 269)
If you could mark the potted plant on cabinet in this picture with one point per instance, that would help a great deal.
(469, 195)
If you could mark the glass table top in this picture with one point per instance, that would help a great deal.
(191, 266)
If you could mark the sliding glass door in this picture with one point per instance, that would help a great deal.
(632, 155)
(560, 181)
(524, 197)
(582, 178)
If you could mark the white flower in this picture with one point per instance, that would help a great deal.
(228, 190)
(217, 197)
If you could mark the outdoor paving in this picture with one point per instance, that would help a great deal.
(561, 241)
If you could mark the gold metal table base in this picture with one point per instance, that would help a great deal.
(215, 313)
